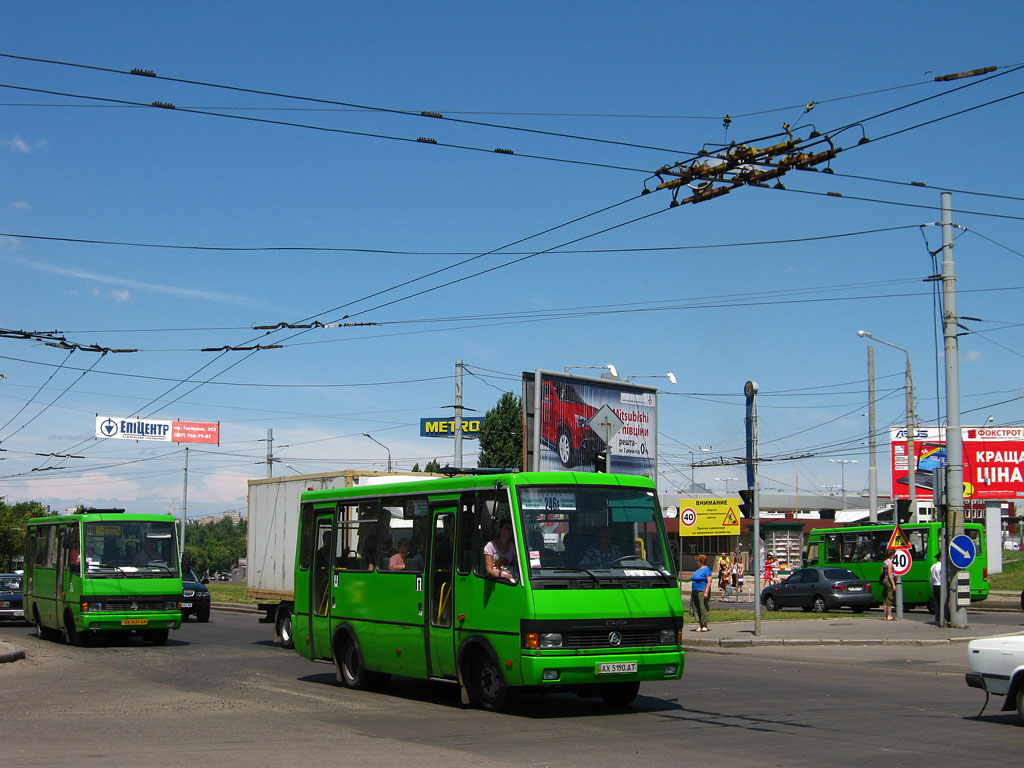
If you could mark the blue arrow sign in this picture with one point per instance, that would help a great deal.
(961, 551)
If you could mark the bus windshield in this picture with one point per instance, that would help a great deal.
(129, 548)
(594, 532)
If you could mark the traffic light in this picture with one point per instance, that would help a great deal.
(746, 502)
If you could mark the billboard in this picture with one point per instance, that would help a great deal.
(993, 461)
(446, 428)
(157, 430)
(709, 517)
(570, 419)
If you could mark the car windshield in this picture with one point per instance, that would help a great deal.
(130, 548)
(594, 534)
(840, 574)
(190, 575)
(10, 583)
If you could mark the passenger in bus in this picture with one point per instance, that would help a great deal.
(500, 554)
(397, 561)
(603, 552)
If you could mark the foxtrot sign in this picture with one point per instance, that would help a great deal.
(157, 430)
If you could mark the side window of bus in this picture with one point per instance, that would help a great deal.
(812, 553)
(468, 534)
(358, 540)
(834, 549)
(918, 544)
(306, 543)
(404, 527)
(51, 547)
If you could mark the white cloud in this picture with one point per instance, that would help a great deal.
(17, 143)
(121, 295)
(8, 243)
(21, 205)
(973, 356)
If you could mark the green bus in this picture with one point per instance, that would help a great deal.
(102, 571)
(861, 549)
(393, 580)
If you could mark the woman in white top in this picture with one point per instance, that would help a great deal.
(500, 554)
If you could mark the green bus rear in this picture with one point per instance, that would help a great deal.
(861, 548)
(106, 571)
(598, 624)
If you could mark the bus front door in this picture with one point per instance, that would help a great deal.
(441, 639)
(320, 589)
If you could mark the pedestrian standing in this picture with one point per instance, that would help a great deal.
(936, 580)
(700, 593)
(724, 573)
(737, 574)
(888, 580)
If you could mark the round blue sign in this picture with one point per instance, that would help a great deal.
(962, 551)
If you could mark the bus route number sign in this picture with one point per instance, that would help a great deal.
(901, 562)
(689, 517)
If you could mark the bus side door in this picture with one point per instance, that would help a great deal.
(441, 597)
(320, 588)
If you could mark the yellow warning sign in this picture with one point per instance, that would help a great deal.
(709, 517)
(899, 539)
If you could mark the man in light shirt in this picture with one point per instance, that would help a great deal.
(936, 579)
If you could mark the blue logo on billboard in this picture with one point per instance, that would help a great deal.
(108, 427)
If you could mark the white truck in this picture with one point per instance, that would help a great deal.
(273, 529)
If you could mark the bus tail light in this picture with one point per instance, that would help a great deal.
(984, 573)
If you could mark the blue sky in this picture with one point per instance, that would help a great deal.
(297, 221)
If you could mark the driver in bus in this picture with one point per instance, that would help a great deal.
(603, 552)
(150, 553)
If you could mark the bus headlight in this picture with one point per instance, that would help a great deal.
(550, 674)
(668, 637)
(551, 640)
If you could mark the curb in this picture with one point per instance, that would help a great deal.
(235, 607)
(9, 653)
(761, 642)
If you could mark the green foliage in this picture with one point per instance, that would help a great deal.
(432, 466)
(13, 520)
(1012, 576)
(416, 467)
(501, 434)
(215, 547)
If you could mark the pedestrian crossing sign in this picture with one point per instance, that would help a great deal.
(899, 539)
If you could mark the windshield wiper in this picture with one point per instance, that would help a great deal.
(575, 570)
(93, 568)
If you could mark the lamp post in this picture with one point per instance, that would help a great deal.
(378, 442)
(726, 481)
(911, 451)
(609, 366)
(670, 376)
(842, 463)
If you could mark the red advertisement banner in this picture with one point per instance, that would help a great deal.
(206, 432)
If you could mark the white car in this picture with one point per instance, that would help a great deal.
(997, 666)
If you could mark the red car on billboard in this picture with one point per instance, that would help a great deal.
(564, 423)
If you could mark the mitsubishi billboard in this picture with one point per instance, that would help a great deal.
(993, 461)
(570, 419)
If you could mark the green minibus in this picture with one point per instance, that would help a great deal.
(102, 571)
(861, 549)
(404, 579)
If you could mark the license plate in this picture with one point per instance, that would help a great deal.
(186, 605)
(134, 622)
(856, 589)
(616, 668)
(18, 613)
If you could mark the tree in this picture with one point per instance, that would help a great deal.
(13, 522)
(501, 434)
(416, 467)
(432, 466)
(215, 547)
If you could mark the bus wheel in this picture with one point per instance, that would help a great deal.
(156, 636)
(284, 627)
(620, 694)
(819, 605)
(490, 689)
(353, 671)
(43, 632)
(75, 637)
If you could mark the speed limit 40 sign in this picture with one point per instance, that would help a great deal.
(688, 516)
(901, 562)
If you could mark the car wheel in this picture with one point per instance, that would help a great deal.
(819, 605)
(565, 450)
(859, 609)
(1020, 703)
(770, 603)
(284, 627)
(491, 691)
(620, 694)
(203, 614)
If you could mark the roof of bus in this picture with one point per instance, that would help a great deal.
(105, 517)
(882, 526)
(469, 482)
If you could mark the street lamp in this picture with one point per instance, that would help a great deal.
(911, 451)
(670, 376)
(842, 463)
(378, 442)
(726, 481)
(609, 366)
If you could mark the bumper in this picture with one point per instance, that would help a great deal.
(191, 605)
(582, 669)
(111, 621)
(856, 600)
(11, 614)
(975, 680)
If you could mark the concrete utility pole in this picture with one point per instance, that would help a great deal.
(458, 413)
(184, 506)
(872, 441)
(750, 391)
(954, 437)
(270, 452)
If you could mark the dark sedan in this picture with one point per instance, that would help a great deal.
(195, 597)
(819, 590)
(10, 597)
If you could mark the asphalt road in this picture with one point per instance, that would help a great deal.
(222, 694)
